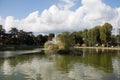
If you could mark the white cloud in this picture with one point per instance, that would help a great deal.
(60, 17)
(66, 4)
(10, 22)
(1, 20)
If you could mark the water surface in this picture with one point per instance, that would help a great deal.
(91, 65)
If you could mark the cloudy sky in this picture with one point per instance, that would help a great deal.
(45, 16)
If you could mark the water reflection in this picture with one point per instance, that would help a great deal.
(82, 72)
(27, 69)
(91, 66)
(7, 54)
(6, 68)
(116, 67)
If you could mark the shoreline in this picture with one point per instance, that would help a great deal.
(18, 47)
(107, 48)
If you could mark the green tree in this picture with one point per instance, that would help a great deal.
(77, 39)
(114, 40)
(102, 35)
(96, 33)
(105, 33)
(64, 40)
(90, 37)
(108, 29)
(85, 35)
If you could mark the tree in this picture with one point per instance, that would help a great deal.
(41, 39)
(90, 37)
(14, 34)
(14, 31)
(105, 33)
(102, 34)
(108, 29)
(26, 38)
(30, 38)
(2, 31)
(2, 35)
(51, 36)
(85, 36)
(114, 40)
(96, 33)
(77, 39)
(64, 40)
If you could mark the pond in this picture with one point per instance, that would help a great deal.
(91, 65)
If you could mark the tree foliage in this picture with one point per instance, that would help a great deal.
(96, 35)
(64, 40)
(20, 37)
(105, 32)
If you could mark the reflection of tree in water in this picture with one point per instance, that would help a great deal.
(21, 58)
(35, 66)
(1, 61)
(63, 63)
(100, 60)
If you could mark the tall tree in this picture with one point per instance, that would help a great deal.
(90, 37)
(105, 33)
(96, 33)
(85, 35)
(108, 29)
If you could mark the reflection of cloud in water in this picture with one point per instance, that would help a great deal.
(40, 69)
(82, 72)
(31, 69)
(46, 70)
(43, 69)
(6, 68)
(116, 66)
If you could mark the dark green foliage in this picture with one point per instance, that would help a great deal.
(51, 36)
(65, 40)
(40, 39)
(97, 35)
(77, 38)
(20, 37)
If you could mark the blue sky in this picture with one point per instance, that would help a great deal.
(112, 3)
(21, 8)
(45, 16)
